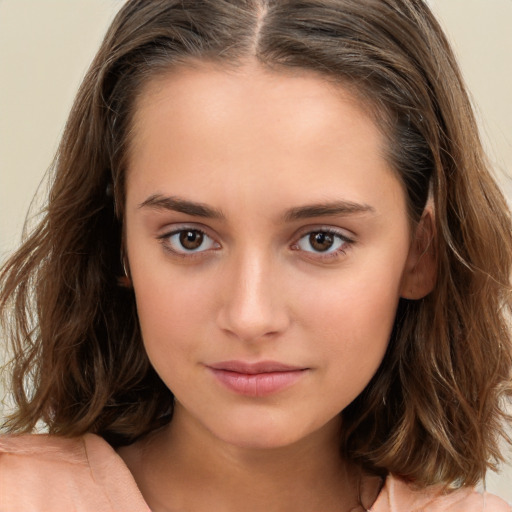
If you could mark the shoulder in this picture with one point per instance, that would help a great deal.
(400, 496)
(42, 472)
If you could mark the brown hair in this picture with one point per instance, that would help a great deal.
(433, 413)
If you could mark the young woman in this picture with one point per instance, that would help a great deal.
(273, 273)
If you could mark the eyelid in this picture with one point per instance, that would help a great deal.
(348, 241)
(170, 231)
(345, 234)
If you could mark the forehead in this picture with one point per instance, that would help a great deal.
(269, 100)
(250, 126)
(249, 93)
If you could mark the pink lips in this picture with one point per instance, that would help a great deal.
(256, 379)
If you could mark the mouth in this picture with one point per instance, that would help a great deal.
(256, 379)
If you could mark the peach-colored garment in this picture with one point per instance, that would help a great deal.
(40, 473)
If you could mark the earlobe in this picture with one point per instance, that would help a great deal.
(420, 270)
(125, 280)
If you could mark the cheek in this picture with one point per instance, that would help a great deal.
(351, 321)
(169, 305)
(356, 336)
(170, 321)
(172, 310)
(353, 302)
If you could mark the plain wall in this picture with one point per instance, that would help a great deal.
(46, 46)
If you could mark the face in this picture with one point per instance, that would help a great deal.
(267, 240)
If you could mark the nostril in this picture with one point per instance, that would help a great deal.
(252, 320)
(252, 306)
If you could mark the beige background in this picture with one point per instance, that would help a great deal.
(46, 45)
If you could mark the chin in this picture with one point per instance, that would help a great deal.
(269, 433)
(261, 440)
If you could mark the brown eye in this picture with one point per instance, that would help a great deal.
(188, 242)
(321, 241)
(191, 239)
(327, 243)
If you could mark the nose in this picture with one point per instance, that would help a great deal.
(254, 305)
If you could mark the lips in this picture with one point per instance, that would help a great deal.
(256, 379)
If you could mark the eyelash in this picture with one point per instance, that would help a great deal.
(165, 240)
(343, 241)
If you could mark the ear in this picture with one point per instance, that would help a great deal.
(419, 276)
(125, 281)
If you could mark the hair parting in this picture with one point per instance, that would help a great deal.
(435, 410)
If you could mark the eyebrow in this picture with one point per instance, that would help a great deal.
(327, 209)
(333, 208)
(177, 204)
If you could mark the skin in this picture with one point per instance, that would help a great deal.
(254, 148)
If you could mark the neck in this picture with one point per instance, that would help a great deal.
(184, 467)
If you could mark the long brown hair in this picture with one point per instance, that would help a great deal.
(434, 411)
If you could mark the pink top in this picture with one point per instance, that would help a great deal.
(44, 473)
